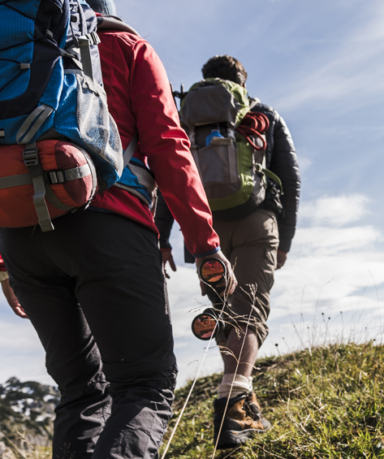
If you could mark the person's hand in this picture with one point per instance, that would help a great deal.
(12, 299)
(168, 258)
(281, 259)
(231, 282)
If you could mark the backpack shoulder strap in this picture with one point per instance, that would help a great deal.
(114, 23)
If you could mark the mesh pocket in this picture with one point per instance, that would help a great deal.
(97, 128)
(218, 170)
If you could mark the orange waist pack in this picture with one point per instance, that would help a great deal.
(42, 181)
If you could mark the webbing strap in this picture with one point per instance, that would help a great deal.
(65, 53)
(92, 170)
(144, 177)
(40, 204)
(130, 150)
(68, 175)
(55, 177)
(86, 60)
(133, 191)
(63, 177)
(275, 178)
(271, 175)
(85, 68)
(77, 172)
(31, 160)
(15, 180)
(55, 201)
(33, 123)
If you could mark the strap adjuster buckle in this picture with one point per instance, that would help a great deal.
(31, 156)
(57, 177)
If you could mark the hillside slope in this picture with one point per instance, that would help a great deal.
(324, 402)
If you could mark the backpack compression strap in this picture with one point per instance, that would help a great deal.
(41, 181)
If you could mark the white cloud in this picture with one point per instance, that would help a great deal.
(304, 162)
(334, 211)
(22, 354)
(25, 338)
(321, 240)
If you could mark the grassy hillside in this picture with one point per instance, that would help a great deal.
(324, 402)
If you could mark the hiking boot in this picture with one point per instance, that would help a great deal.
(243, 420)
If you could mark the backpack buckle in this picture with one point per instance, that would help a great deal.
(57, 177)
(31, 155)
(93, 38)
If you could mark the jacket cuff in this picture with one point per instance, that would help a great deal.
(165, 244)
(285, 245)
(3, 276)
(206, 254)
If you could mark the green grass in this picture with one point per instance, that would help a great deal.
(324, 402)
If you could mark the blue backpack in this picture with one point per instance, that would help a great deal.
(51, 82)
(51, 88)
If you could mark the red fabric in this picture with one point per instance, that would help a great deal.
(17, 209)
(2, 265)
(140, 99)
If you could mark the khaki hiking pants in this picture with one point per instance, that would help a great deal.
(251, 246)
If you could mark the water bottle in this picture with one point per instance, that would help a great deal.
(214, 133)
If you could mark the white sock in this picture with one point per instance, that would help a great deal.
(240, 385)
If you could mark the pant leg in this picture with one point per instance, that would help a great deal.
(134, 337)
(72, 356)
(118, 277)
(139, 418)
(251, 246)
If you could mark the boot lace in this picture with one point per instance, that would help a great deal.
(251, 409)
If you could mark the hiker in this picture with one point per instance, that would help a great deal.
(94, 287)
(256, 223)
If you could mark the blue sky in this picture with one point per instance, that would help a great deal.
(320, 64)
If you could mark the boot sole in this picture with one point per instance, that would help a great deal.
(233, 438)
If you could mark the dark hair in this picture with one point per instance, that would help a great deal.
(226, 68)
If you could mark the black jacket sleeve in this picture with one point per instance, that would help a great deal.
(282, 160)
(164, 221)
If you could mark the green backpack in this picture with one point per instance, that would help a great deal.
(231, 165)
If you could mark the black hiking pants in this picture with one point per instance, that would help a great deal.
(112, 357)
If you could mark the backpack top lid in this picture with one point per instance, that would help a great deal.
(214, 100)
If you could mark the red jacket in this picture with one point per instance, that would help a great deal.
(140, 100)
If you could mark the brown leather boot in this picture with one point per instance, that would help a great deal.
(242, 421)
